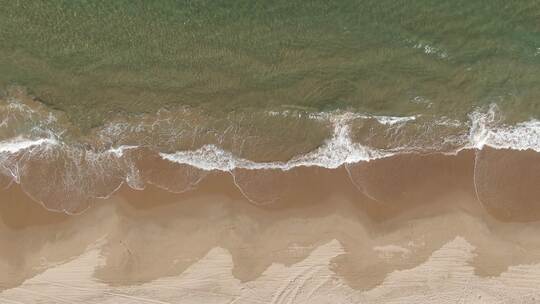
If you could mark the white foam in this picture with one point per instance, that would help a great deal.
(523, 136)
(392, 120)
(19, 144)
(209, 157)
(480, 126)
(333, 116)
(337, 151)
(119, 151)
(431, 50)
(420, 99)
(448, 122)
(486, 130)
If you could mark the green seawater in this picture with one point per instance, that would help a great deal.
(95, 60)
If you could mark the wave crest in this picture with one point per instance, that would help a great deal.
(39, 150)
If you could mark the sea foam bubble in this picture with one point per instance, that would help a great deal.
(488, 130)
(336, 151)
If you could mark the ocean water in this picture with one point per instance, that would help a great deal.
(93, 91)
(93, 59)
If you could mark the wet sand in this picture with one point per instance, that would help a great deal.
(406, 229)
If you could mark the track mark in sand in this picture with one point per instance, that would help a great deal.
(446, 277)
(287, 293)
(104, 291)
(476, 155)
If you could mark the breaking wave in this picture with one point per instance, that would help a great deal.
(174, 151)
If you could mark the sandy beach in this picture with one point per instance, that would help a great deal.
(409, 229)
(270, 152)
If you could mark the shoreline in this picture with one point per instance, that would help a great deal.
(398, 180)
(377, 238)
(363, 224)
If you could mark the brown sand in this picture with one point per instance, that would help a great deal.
(387, 216)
